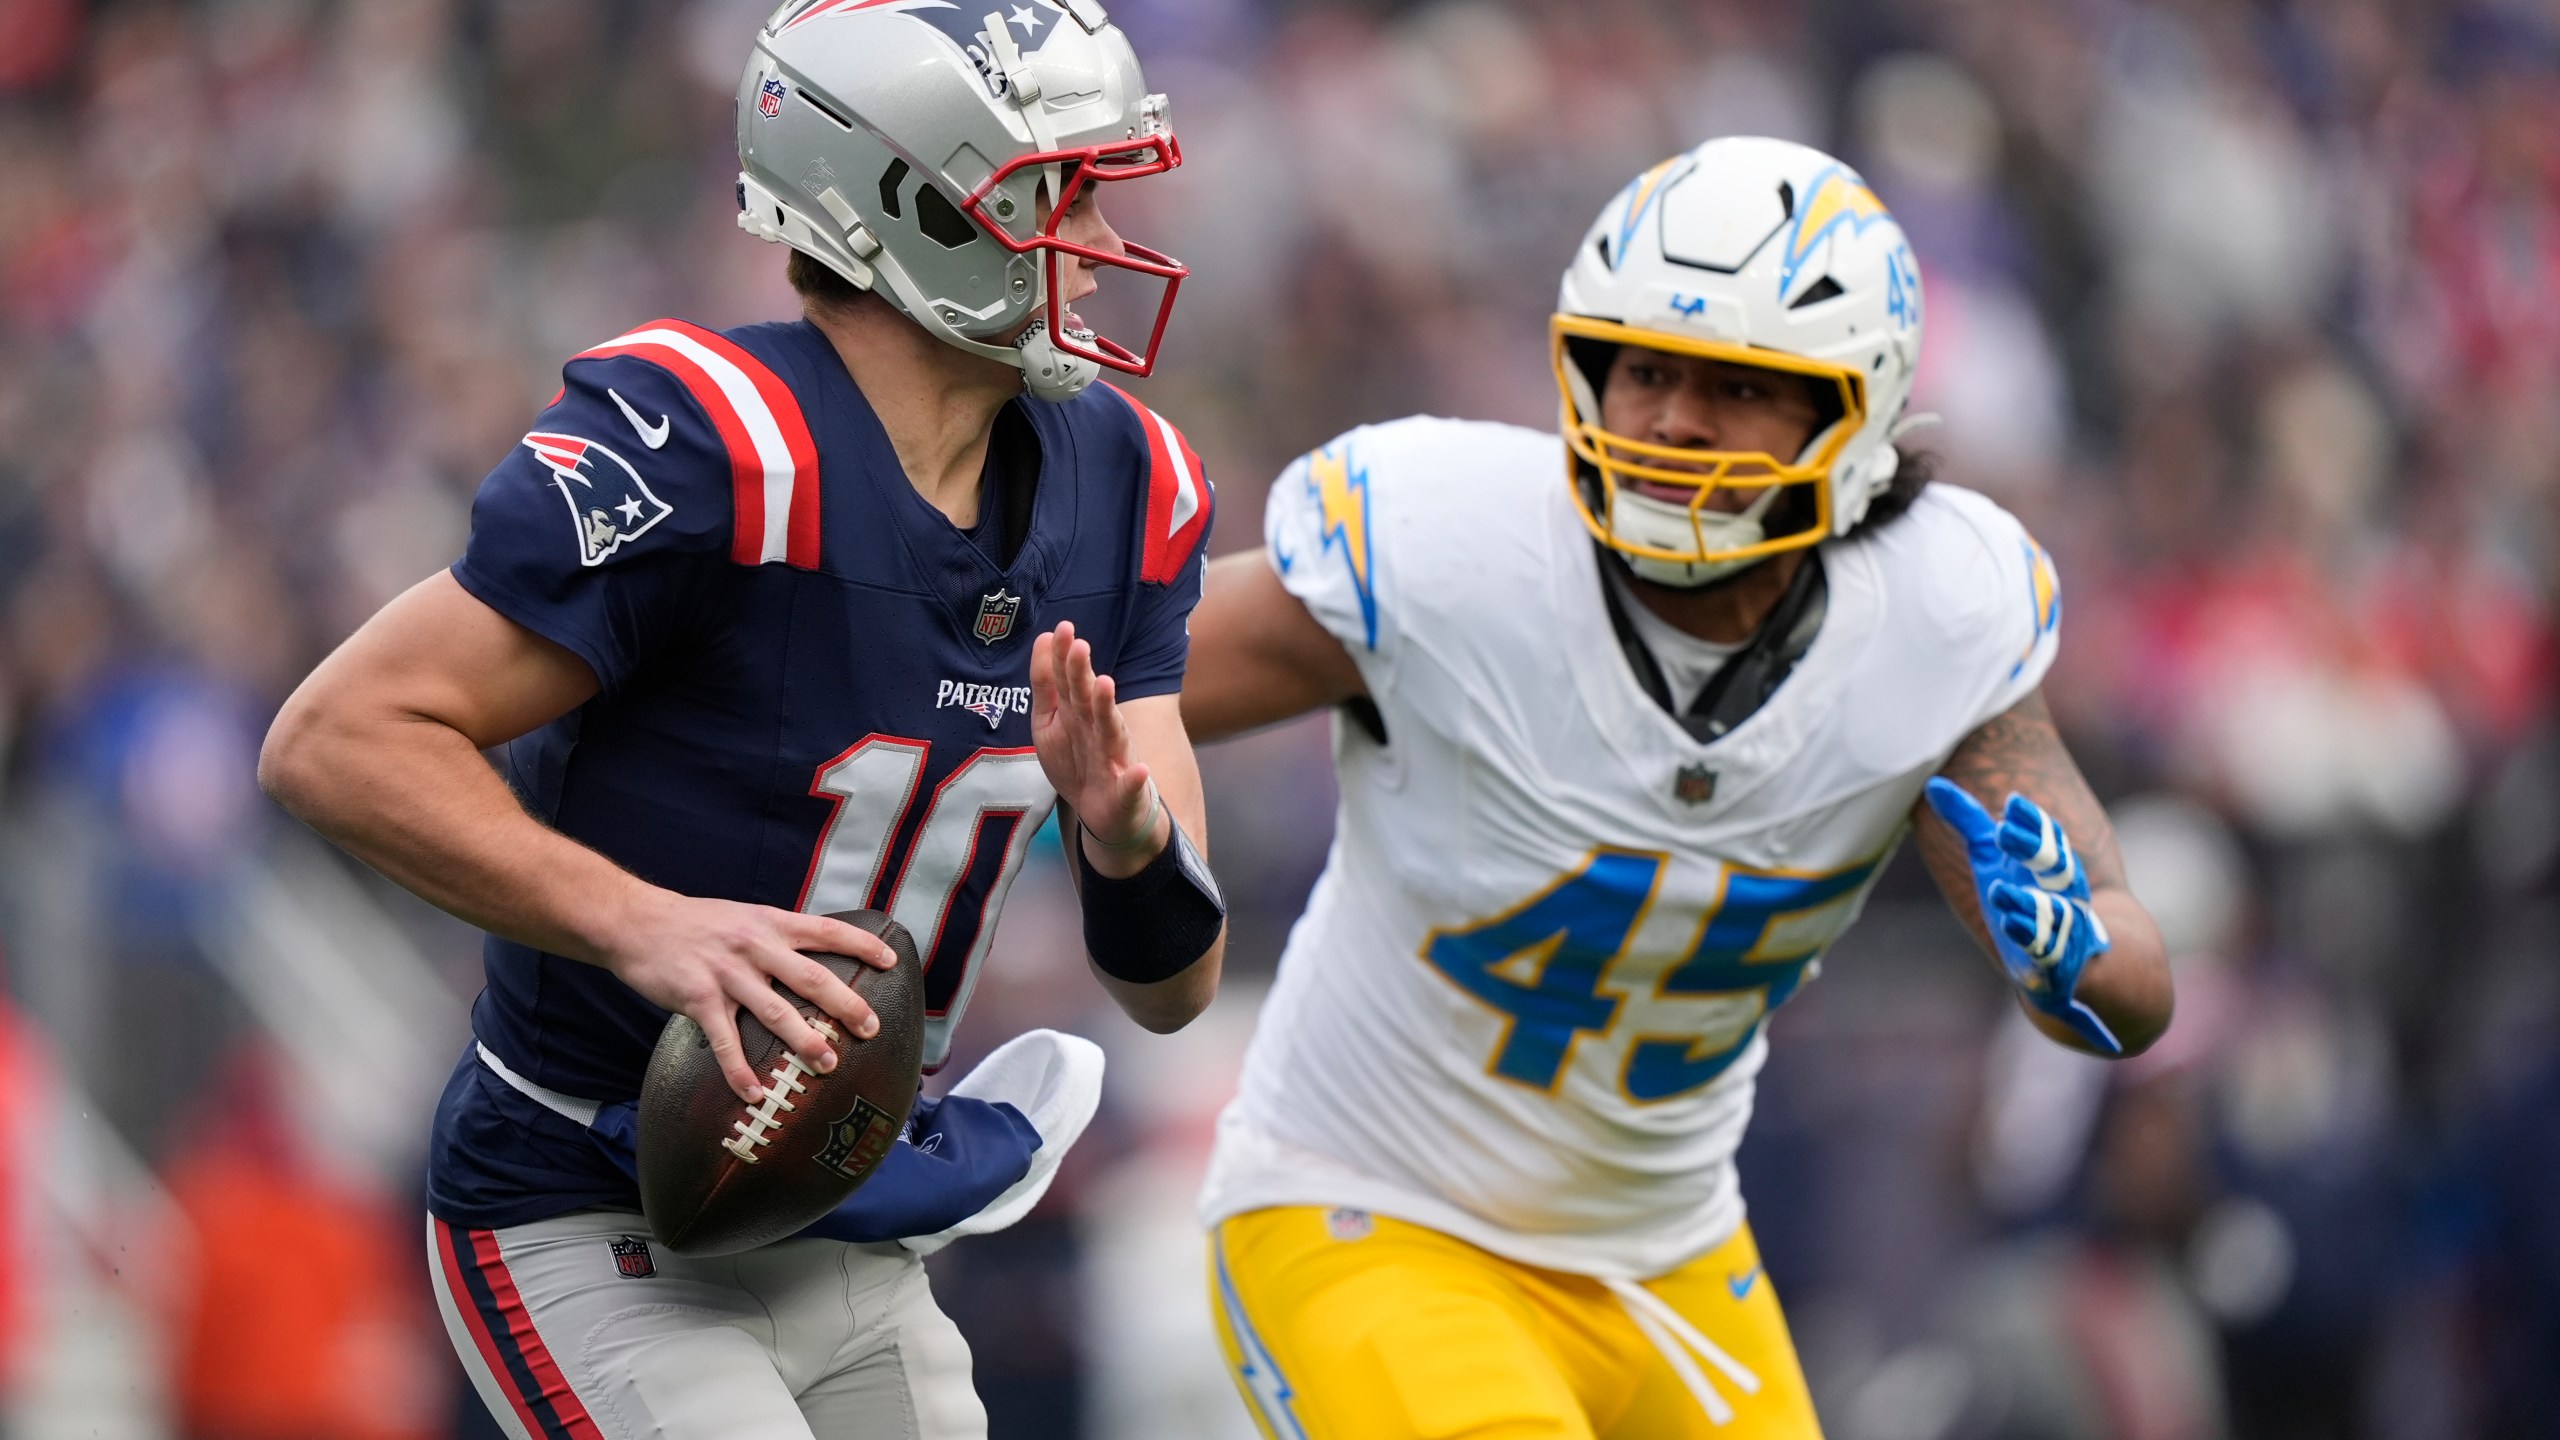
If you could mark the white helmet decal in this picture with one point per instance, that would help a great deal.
(1755, 252)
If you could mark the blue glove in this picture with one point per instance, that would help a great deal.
(2035, 901)
(952, 1161)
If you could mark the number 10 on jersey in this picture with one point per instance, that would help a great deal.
(1546, 965)
(938, 860)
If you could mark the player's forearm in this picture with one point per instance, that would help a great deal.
(412, 798)
(1230, 695)
(1168, 1005)
(2128, 985)
(1257, 656)
(2020, 754)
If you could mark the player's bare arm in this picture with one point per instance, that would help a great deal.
(2019, 752)
(1126, 776)
(379, 750)
(1257, 656)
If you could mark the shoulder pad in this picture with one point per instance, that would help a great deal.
(1179, 496)
(1319, 528)
(773, 461)
(1988, 582)
(1445, 512)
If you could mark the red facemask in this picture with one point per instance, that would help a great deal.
(1084, 166)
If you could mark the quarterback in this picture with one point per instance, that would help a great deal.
(777, 622)
(1629, 721)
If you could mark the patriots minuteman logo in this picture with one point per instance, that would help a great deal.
(608, 503)
(1029, 23)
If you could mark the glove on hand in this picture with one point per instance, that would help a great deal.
(2035, 901)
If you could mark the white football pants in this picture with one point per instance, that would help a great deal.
(577, 1328)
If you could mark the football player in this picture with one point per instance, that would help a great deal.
(1630, 720)
(787, 620)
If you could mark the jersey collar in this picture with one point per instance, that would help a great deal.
(1646, 739)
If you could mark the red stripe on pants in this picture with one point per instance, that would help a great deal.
(479, 1249)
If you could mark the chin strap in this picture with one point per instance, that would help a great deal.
(1048, 372)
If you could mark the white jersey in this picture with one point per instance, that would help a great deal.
(1524, 1005)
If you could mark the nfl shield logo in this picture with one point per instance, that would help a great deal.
(995, 616)
(769, 100)
(1695, 785)
(631, 1257)
(856, 1142)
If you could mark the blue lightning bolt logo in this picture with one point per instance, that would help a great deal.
(1261, 1375)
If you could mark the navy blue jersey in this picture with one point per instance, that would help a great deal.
(814, 687)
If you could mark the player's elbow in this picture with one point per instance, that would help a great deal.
(2131, 986)
(2138, 1027)
(303, 758)
(287, 771)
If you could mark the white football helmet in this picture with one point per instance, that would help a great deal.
(1756, 252)
(912, 145)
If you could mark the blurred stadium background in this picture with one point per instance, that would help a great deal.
(2252, 309)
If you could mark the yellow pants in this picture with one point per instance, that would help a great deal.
(1340, 1325)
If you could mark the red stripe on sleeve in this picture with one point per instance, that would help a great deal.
(1167, 549)
(794, 426)
(1177, 549)
(746, 467)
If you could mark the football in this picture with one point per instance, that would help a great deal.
(718, 1175)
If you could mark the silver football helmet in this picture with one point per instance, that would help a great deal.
(926, 150)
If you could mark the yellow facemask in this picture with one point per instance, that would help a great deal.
(1619, 458)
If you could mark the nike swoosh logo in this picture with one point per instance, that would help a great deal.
(653, 437)
(1741, 1284)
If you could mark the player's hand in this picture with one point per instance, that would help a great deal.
(707, 958)
(1084, 744)
(2035, 902)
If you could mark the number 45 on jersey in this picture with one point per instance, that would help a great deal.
(1561, 966)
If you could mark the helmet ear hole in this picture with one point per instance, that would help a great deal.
(1820, 290)
(941, 221)
(890, 180)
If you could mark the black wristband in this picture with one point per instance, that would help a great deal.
(1157, 923)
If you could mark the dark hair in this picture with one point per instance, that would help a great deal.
(1919, 467)
(818, 284)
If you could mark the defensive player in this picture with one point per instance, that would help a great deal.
(754, 615)
(1619, 756)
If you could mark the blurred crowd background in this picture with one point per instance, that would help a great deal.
(2250, 307)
